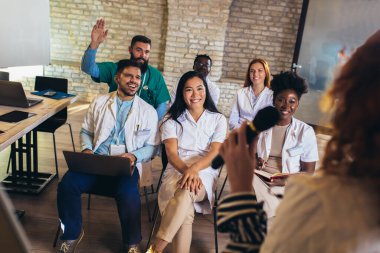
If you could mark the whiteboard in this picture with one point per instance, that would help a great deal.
(24, 29)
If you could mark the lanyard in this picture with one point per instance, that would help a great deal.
(119, 131)
(142, 84)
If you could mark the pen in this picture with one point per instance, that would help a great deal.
(138, 126)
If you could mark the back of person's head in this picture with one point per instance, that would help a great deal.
(263, 62)
(354, 149)
(122, 64)
(179, 105)
(288, 81)
(140, 38)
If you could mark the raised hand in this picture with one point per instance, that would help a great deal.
(98, 33)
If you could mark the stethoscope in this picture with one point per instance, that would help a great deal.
(144, 85)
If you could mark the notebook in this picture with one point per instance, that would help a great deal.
(13, 94)
(97, 164)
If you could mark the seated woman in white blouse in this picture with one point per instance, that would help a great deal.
(255, 94)
(192, 132)
(291, 145)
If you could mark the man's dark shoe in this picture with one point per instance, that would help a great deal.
(69, 246)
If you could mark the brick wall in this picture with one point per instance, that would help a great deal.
(194, 27)
(260, 28)
(231, 31)
(71, 25)
(72, 22)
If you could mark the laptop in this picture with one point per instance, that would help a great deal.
(97, 164)
(13, 94)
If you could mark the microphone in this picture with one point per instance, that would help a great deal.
(265, 119)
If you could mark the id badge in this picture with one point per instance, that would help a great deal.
(117, 149)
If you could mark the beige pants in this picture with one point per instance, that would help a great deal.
(177, 219)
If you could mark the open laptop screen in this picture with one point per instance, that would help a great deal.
(13, 94)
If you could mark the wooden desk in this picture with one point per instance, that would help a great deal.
(21, 180)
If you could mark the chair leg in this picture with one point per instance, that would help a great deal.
(9, 162)
(220, 172)
(56, 235)
(152, 188)
(13, 150)
(55, 157)
(215, 229)
(159, 180)
(71, 133)
(221, 190)
(89, 201)
(155, 216)
(147, 203)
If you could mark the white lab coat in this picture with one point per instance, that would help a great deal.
(140, 127)
(194, 139)
(243, 108)
(214, 91)
(212, 88)
(300, 145)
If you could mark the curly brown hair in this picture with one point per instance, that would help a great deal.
(263, 62)
(354, 149)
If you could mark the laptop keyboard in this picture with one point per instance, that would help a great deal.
(32, 101)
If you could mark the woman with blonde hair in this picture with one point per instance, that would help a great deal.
(338, 209)
(255, 94)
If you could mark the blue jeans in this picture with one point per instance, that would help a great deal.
(123, 188)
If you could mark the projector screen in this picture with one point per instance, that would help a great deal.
(332, 32)
(24, 29)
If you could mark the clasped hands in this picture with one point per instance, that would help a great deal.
(190, 179)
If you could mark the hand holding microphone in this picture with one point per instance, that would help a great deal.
(265, 119)
(240, 157)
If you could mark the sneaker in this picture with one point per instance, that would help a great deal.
(132, 248)
(69, 246)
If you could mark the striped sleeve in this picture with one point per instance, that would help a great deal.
(240, 215)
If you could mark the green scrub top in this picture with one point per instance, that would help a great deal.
(153, 89)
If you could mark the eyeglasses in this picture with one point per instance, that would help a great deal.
(201, 65)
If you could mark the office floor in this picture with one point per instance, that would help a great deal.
(101, 224)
